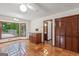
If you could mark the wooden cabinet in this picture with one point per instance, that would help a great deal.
(60, 33)
(68, 43)
(35, 37)
(75, 44)
(68, 27)
(57, 41)
(67, 33)
(62, 41)
(57, 31)
(75, 26)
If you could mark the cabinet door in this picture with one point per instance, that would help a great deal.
(68, 43)
(68, 27)
(74, 33)
(60, 33)
(57, 41)
(57, 27)
(78, 24)
(57, 33)
(78, 31)
(62, 41)
(62, 27)
(38, 38)
(74, 26)
(75, 44)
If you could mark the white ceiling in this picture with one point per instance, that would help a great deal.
(41, 9)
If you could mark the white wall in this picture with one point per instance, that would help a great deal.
(49, 30)
(11, 19)
(38, 23)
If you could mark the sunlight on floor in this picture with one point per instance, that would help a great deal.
(27, 48)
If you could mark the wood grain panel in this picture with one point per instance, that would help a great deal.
(69, 43)
(35, 38)
(75, 44)
(69, 30)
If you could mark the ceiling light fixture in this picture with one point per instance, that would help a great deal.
(23, 8)
(30, 6)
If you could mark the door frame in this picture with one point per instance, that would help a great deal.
(51, 31)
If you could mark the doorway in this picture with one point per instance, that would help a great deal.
(47, 31)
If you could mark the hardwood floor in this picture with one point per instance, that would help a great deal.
(27, 48)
